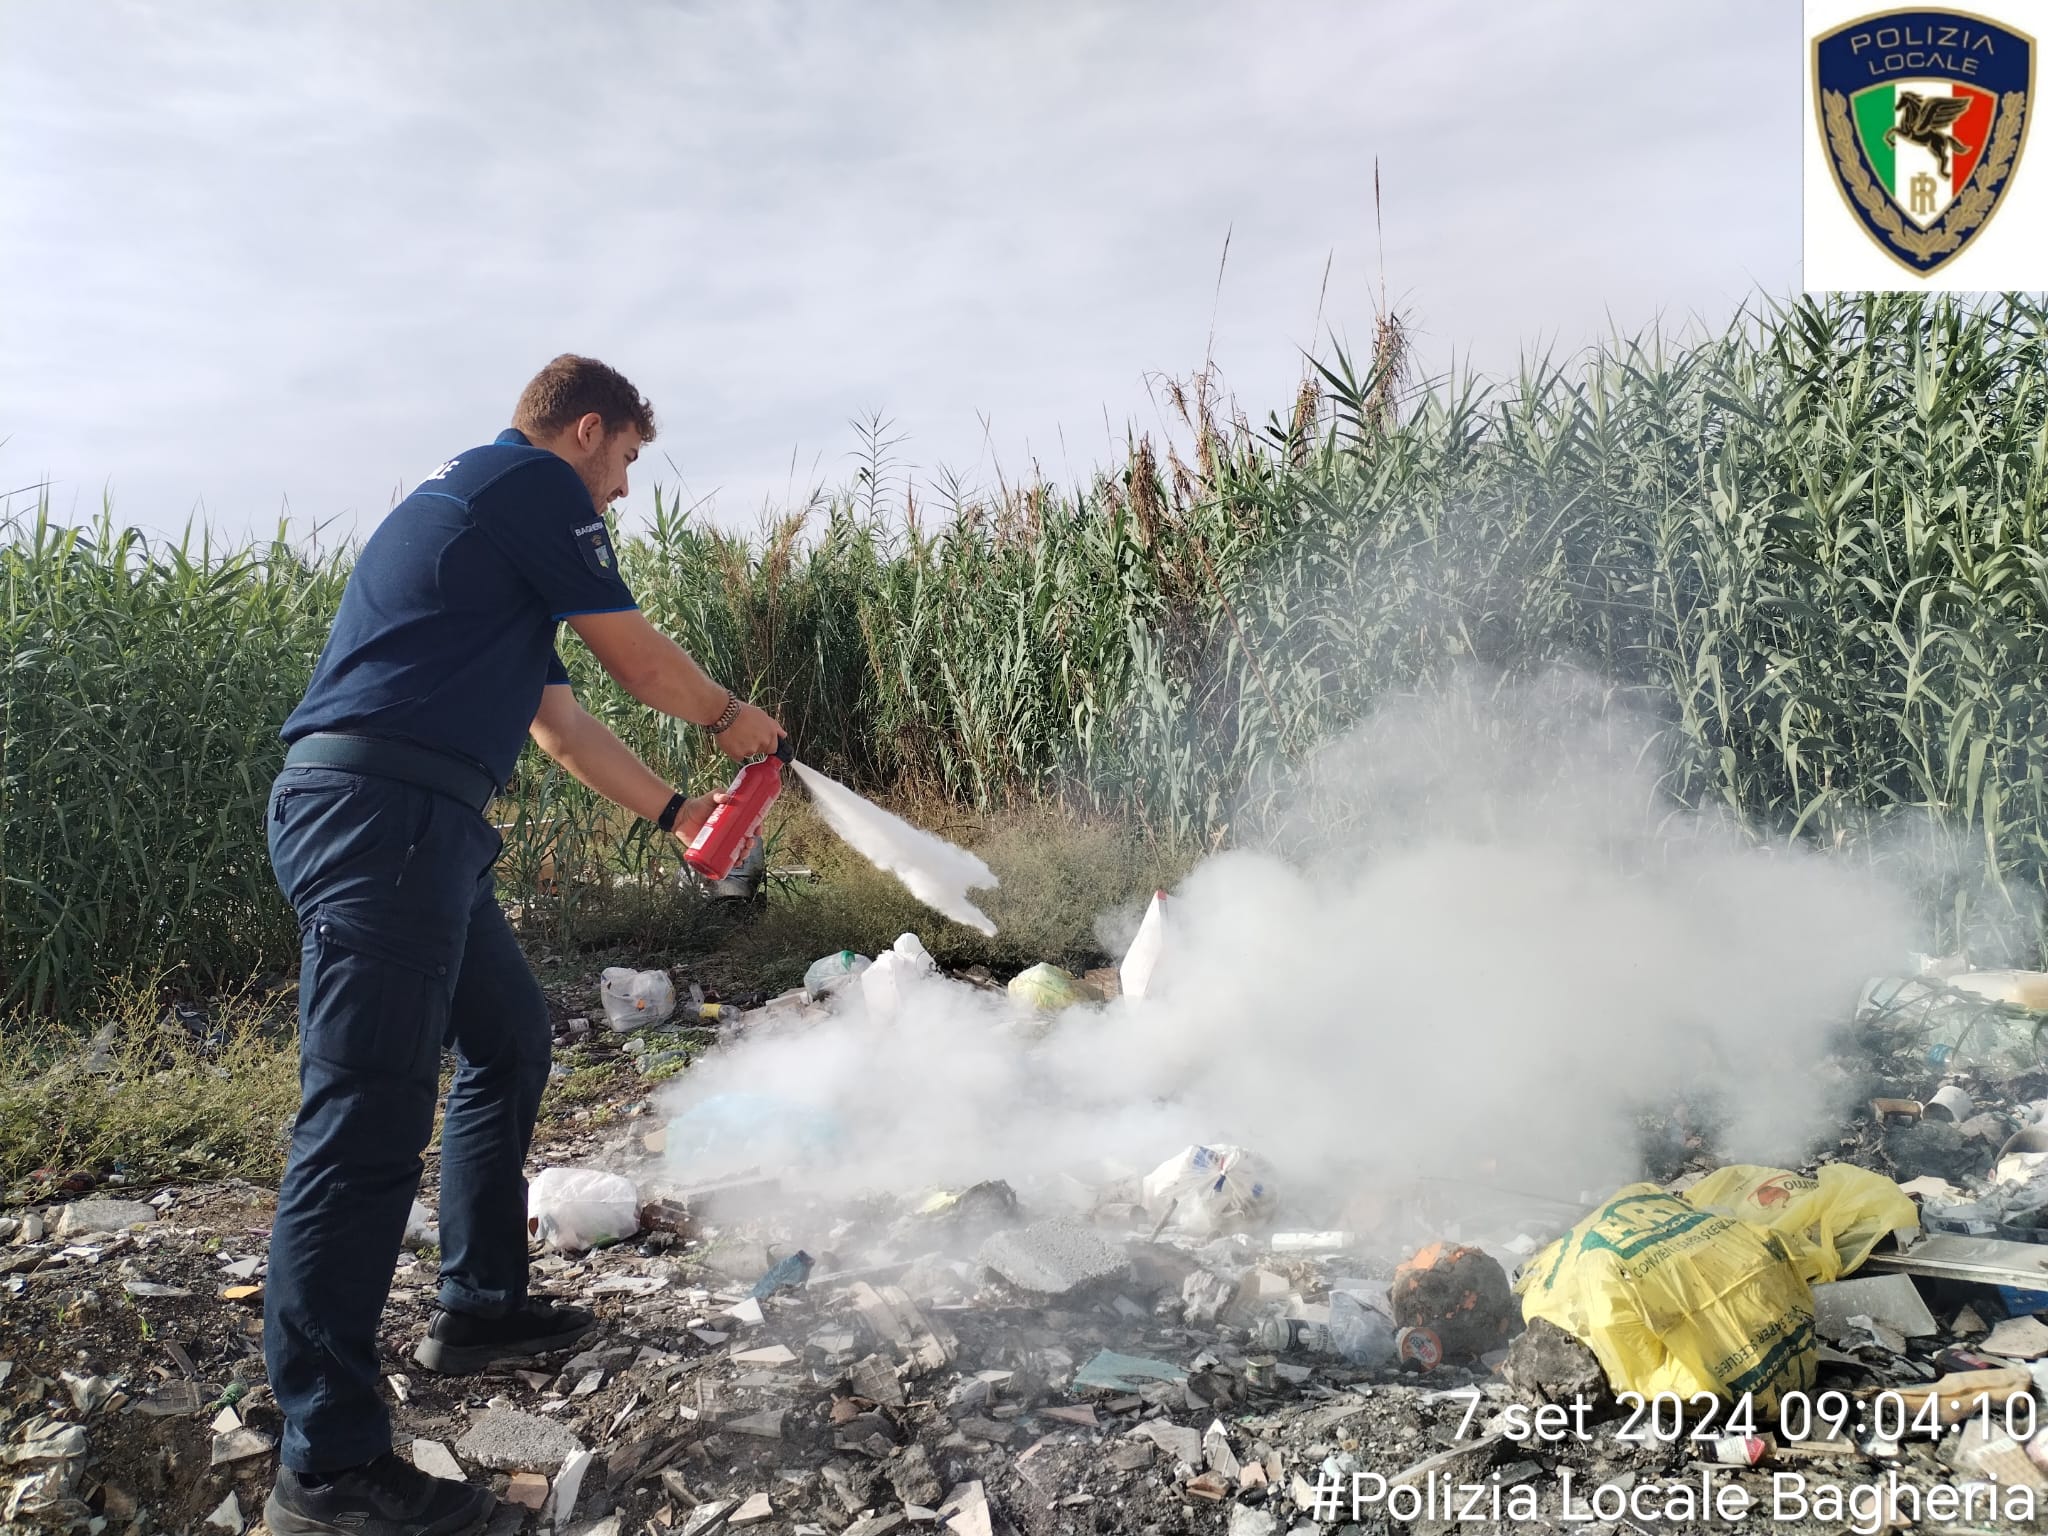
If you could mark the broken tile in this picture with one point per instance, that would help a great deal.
(527, 1489)
(173, 1397)
(756, 1509)
(965, 1511)
(1177, 1440)
(1892, 1300)
(567, 1485)
(1217, 1452)
(766, 1425)
(2017, 1338)
(773, 1354)
(240, 1444)
(1109, 1371)
(435, 1459)
(707, 1516)
(874, 1378)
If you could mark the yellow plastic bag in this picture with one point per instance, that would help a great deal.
(1829, 1223)
(1672, 1298)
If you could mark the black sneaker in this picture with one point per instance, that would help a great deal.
(460, 1342)
(388, 1497)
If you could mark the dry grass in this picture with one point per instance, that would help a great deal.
(166, 1106)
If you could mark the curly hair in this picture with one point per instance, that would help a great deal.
(572, 387)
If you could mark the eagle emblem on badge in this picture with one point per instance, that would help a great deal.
(1922, 116)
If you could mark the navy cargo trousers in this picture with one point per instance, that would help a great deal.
(404, 952)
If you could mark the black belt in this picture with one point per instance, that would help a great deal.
(399, 760)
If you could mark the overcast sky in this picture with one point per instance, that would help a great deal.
(255, 254)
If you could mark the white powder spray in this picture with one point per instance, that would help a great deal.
(931, 869)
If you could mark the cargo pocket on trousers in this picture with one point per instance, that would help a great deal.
(369, 1005)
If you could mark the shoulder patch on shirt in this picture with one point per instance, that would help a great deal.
(595, 540)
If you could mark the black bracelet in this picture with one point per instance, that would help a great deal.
(667, 819)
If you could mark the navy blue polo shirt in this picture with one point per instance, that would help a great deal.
(446, 632)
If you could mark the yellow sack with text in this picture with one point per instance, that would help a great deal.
(1672, 1298)
(1830, 1223)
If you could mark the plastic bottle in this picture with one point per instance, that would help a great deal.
(1358, 1333)
(726, 832)
(1355, 1333)
(833, 972)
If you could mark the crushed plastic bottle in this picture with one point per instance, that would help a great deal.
(829, 974)
(1359, 1333)
(1355, 1334)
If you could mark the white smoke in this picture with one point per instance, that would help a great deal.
(1504, 950)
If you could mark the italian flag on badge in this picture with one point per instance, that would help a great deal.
(1923, 138)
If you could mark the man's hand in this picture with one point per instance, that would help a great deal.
(691, 818)
(754, 734)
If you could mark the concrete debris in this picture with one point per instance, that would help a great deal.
(1057, 1258)
(85, 1218)
(1545, 1364)
(507, 1440)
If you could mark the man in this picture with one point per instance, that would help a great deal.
(441, 663)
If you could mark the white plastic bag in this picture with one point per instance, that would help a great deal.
(571, 1209)
(422, 1226)
(1211, 1189)
(882, 983)
(1140, 969)
(635, 999)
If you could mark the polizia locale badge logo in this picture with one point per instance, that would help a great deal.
(1923, 115)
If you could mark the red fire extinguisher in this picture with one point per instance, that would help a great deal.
(726, 832)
